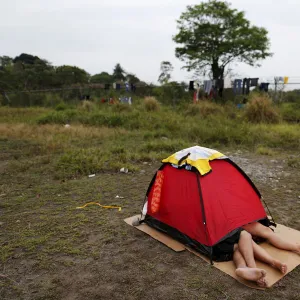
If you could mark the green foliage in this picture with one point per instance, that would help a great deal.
(260, 109)
(151, 104)
(290, 111)
(67, 75)
(212, 35)
(103, 77)
(132, 78)
(61, 106)
(119, 72)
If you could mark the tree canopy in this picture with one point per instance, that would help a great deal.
(212, 35)
(29, 72)
(119, 72)
(102, 77)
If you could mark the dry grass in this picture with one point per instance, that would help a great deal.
(87, 105)
(54, 137)
(265, 151)
(204, 108)
(260, 109)
(48, 132)
(151, 104)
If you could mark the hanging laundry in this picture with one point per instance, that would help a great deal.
(118, 86)
(196, 85)
(237, 86)
(133, 87)
(114, 85)
(264, 86)
(208, 84)
(246, 86)
(195, 97)
(127, 87)
(253, 82)
(285, 80)
(191, 86)
(279, 79)
(107, 86)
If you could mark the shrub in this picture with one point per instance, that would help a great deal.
(204, 109)
(290, 112)
(151, 104)
(261, 110)
(61, 106)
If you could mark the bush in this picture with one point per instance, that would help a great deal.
(261, 110)
(61, 106)
(151, 104)
(204, 109)
(290, 112)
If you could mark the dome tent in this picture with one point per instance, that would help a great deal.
(200, 197)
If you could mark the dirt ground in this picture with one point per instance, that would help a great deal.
(51, 250)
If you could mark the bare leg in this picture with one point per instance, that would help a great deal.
(246, 249)
(252, 274)
(262, 255)
(260, 230)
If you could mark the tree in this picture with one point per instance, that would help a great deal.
(5, 61)
(67, 75)
(166, 68)
(132, 78)
(26, 59)
(118, 72)
(213, 35)
(103, 77)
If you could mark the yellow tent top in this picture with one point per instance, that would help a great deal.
(198, 157)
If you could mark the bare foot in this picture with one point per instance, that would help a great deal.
(253, 274)
(262, 282)
(280, 266)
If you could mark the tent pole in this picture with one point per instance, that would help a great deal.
(203, 215)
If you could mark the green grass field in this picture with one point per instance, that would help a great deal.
(51, 250)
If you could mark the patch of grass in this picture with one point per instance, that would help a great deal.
(204, 108)
(294, 162)
(21, 115)
(290, 112)
(61, 106)
(87, 105)
(265, 151)
(169, 146)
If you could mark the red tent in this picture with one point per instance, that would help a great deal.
(202, 210)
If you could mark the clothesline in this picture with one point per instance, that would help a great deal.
(97, 86)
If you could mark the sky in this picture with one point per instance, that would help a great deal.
(97, 34)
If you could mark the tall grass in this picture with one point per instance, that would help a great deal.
(109, 137)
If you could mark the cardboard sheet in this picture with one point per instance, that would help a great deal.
(291, 259)
(163, 238)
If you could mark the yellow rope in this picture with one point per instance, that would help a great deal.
(103, 206)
